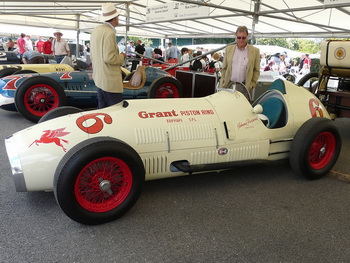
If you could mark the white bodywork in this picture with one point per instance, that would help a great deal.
(221, 128)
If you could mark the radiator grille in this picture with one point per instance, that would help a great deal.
(156, 164)
(244, 153)
(234, 154)
(152, 135)
(204, 157)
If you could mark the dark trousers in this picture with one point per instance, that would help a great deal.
(106, 99)
(134, 65)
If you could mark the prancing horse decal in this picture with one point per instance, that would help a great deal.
(52, 136)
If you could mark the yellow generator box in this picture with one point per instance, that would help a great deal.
(335, 53)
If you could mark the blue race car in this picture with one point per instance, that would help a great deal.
(33, 95)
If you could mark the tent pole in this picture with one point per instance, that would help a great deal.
(127, 22)
(255, 17)
(78, 32)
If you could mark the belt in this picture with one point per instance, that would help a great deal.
(61, 55)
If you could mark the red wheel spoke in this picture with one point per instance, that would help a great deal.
(103, 184)
(322, 150)
(40, 99)
(167, 90)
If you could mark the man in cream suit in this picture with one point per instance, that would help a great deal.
(106, 60)
(241, 62)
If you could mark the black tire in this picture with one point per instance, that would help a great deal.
(165, 87)
(308, 76)
(75, 178)
(38, 95)
(59, 112)
(315, 148)
(7, 72)
(24, 71)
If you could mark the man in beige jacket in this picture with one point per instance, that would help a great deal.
(106, 60)
(241, 62)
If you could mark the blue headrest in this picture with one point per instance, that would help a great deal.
(278, 84)
(272, 109)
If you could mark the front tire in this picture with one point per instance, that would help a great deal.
(165, 87)
(59, 112)
(98, 180)
(38, 95)
(315, 148)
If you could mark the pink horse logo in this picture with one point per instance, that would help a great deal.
(52, 136)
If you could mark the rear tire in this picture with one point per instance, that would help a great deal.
(165, 87)
(24, 71)
(315, 148)
(38, 95)
(98, 180)
(7, 72)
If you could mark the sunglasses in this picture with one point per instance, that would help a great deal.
(241, 37)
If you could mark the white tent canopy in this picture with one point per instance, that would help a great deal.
(266, 18)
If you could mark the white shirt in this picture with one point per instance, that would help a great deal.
(239, 64)
(29, 44)
(184, 58)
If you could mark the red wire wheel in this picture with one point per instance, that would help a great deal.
(98, 180)
(167, 90)
(322, 150)
(165, 87)
(41, 98)
(315, 149)
(103, 184)
(38, 95)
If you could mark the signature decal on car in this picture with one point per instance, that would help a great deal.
(315, 108)
(247, 124)
(11, 84)
(52, 136)
(94, 123)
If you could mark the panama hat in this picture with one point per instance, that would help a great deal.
(108, 12)
(57, 32)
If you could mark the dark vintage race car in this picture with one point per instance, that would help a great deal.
(96, 162)
(9, 57)
(33, 95)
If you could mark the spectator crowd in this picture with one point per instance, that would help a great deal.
(283, 64)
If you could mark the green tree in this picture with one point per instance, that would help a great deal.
(282, 42)
(198, 41)
(145, 41)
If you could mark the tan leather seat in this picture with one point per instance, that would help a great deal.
(137, 80)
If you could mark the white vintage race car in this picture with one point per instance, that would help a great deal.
(97, 161)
